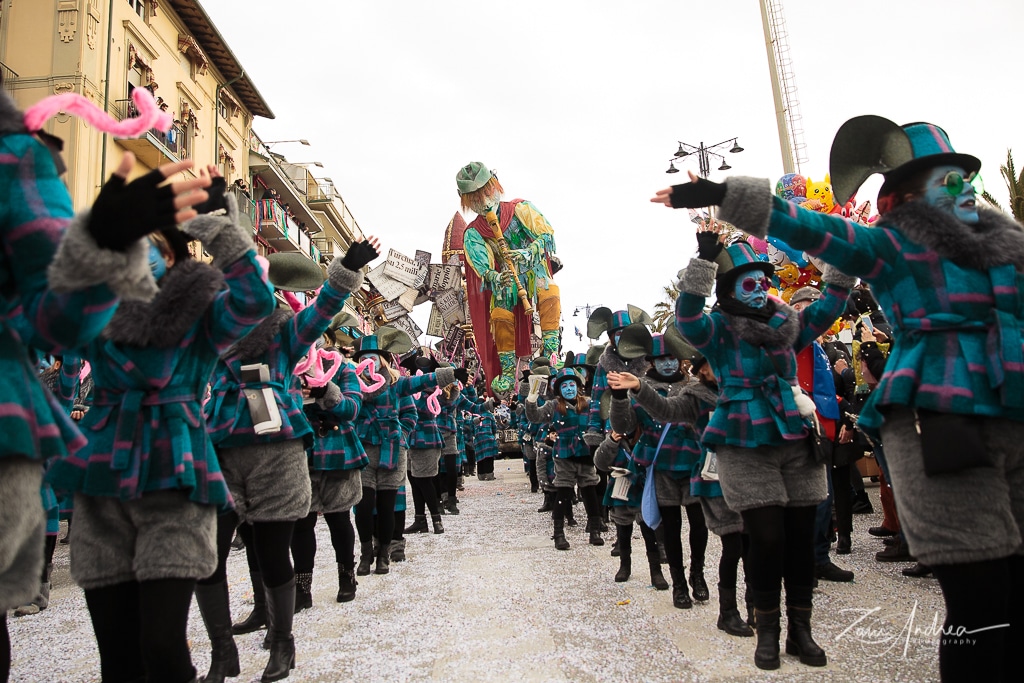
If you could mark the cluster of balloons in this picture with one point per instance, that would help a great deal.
(793, 269)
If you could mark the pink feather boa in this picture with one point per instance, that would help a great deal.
(149, 115)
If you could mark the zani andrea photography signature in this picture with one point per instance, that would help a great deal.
(871, 629)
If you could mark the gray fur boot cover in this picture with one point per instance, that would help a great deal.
(23, 531)
(222, 237)
(343, 279)
(834, 276)
(748, 204)
(698, 278)
(80, 263)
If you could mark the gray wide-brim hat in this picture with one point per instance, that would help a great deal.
(293, 272)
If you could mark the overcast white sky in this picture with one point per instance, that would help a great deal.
(578, 106)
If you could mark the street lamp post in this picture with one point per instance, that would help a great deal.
(704, 154)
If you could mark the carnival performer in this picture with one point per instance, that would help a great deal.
(767, 466)
(425, 445)
(261, 434)
(690, 403)
(381, 433)
(147, 486)
(451, 400)
(947, 275)
(574, 465)
(485, 440)
(335, 463)
(510, 250)
(672, 446)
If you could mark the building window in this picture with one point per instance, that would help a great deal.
(139, 6)
(222, 111)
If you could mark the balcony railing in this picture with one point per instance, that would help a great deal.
(246, 206)
(175, 142)
(7, 77)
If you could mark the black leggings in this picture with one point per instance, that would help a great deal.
(781, 546)
(343, 539)
(672, 522)
(451, 473)
(531, 468)
(226, 524)
(384, 502)
(304, 544)
(423, 492)
(733, 549)
(698, 534)
(141, 630)
(842, 493)
(51, 545)
(267, 549)
(980, 594)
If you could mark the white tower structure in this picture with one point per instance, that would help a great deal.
(780, 66)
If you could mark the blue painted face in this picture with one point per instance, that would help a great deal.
(666, 366)
(752, 289)
(949, 189)
(375, 358)
(568, 390)
(616, 335)
(157, 263)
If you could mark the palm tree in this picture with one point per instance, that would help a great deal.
(665, 311)
(1014, 185)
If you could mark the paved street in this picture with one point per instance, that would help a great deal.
(491, 599)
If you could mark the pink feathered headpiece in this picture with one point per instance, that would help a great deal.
(149, 115)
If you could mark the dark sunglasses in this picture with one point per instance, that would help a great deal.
(954, 183)
(749, 284)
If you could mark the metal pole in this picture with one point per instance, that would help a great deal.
(106, 91)
(785, 144)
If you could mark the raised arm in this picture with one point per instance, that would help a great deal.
(817, 318)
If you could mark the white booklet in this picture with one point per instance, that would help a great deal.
(266, 416)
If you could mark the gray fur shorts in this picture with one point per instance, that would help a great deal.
(423, 462)
(22, 530)
(528, 451)
(451, 444)
(720, 519)
(569, 473)
(335, 491)
(384, 480)
(969, 516)
(673, 488)
(269, 481)
(162, 535)
(624, 514)
(783, 475)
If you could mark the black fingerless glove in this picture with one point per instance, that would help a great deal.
(358, 255)
(619, 393)
(462, 374)
(708, 246)
(124, 213)
(317, 392)
(697, 195)
(216, 202)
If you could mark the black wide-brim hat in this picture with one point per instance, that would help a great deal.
(866, 145)
(293, 272)
(420, 361)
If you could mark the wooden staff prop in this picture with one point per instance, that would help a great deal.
(506, 256)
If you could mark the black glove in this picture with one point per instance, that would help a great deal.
(708, 246)
(317, 392)
(619, 393)
(462, 374)
(124, 213)
(697, 195)
(358, 255)
(216, 201)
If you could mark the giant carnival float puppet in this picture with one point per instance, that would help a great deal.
(949, 406)
(510, 251)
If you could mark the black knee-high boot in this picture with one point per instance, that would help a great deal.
(558, 517)
(698, 547)
(590, 504)
(215, 608)
(653, 559)
(532, 472)
(280, 613)
(624, 542)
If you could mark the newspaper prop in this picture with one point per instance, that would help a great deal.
(392, 310)
(408, 300)
(407, 325)
(400, 267)
(441, 278)
(435, 325)
(453, 341)
(423, 263)
(266, 417)
(450, 305)
(389, 289)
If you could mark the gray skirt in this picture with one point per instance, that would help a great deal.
(423, 462)
(969, 516)
(785, 475)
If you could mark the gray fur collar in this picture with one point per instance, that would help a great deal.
(699, 390)
(253, 345)
(996, 240)
(613, 362)
(185, 294)
(761, 334)
(11, 119)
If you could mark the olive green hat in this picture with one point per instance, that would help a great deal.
(472, 177)
(293, 272)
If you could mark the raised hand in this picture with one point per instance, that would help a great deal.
(696, 194)
(361, 253)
